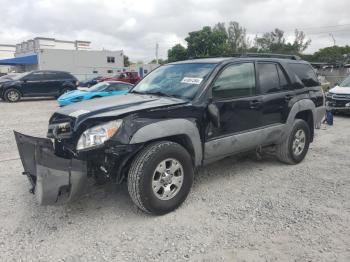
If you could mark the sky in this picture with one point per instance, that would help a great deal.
(136, 26)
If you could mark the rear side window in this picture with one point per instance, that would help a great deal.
(64, 75)
(51, 76)
(305, 74)
(271, 78)
(237, 80)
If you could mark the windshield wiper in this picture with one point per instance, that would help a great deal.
(158, 93)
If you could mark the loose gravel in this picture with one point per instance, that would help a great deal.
(240, 208)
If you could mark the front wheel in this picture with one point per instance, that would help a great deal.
(160, 177)
(12, 95)
(295, 147)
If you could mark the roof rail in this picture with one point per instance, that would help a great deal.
(268, 55)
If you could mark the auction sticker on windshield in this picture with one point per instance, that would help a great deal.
(191, 80)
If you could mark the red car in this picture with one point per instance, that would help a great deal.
(128, 77)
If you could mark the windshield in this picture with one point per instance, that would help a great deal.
(19, 76)
(179, 80)
(98, 87)
(346, 82)
(6, 77)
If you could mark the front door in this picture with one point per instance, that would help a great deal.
(34, 84)
(234, 93)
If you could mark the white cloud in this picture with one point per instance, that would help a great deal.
(135, 26)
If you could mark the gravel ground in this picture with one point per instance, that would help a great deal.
(240, 208)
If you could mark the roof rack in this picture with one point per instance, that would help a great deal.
(268, 55)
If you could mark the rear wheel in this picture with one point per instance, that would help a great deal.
(12, 95)
(294, 149)
(160, 177)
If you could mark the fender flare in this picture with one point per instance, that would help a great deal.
(172, 127)
(301, 105)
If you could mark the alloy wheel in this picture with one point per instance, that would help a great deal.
(167, 179)
(299, 142)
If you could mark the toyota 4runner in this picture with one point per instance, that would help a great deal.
(181, 116)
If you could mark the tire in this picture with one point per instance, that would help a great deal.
(144, 177)
(64, 90)
(12, 95)
(288, 151)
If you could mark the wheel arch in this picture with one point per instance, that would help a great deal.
(308, 117)
(303, 109)
(17, 88)
(181, 131)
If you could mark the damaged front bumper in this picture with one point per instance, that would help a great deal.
(54, 179)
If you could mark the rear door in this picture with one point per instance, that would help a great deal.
(53, 82)
(274, 86)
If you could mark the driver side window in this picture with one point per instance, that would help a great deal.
(36, 76)
(236, 80)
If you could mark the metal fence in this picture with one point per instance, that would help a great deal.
(334, 75)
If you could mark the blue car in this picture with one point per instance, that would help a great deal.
(108, 88)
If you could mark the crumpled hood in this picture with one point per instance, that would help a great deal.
(340, 90)
(116, 105)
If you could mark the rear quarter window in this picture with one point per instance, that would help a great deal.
(64, 75)
(305, 74)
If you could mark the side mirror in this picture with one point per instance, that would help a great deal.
(214, 115)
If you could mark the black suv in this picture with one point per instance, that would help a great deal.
(179, 117)
(36, 84)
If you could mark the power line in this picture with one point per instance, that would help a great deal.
(328, 32)
(325, 26)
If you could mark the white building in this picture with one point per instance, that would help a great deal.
(6, 51)
(75, 57)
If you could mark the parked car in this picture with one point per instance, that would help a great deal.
(37, 84)
(181, 116)
(102, 89)
(338, 98)
(90, 82)
(7, 77)
(128, 77)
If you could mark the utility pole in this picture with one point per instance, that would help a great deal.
(331, 35)
(157, 47)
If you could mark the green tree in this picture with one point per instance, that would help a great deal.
(238, 41)
(275, 42)
(207, 41)
(332, 54)
(177, 53)
(160, 61)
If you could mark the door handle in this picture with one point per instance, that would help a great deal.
(288, 97)
(255, 104)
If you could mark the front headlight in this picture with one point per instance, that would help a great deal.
(97, 135)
